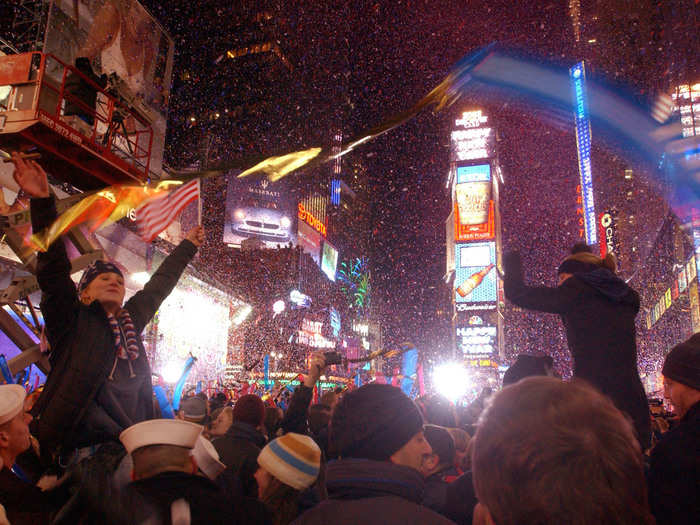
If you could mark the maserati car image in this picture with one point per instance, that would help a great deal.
(268, 224)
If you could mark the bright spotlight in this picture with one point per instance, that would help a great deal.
(278, 307)
(285, 222)
(172, 372)
(451, 380)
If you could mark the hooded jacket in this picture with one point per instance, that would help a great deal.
(238, 449)
(371, 492)
(598, 310)
(82, 344)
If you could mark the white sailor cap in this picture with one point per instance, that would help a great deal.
(207, 458)
(11, 401)
(160, 432)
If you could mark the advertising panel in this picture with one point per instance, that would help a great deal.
(694, 306)
(583, 143)
(310, 241)
(609, 242)
(329, 260)
(260, 209)
(475, 278)
(125, 43)
(472, 138)
(474, 209)
(450, 235)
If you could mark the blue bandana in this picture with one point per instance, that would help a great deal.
(95, 269)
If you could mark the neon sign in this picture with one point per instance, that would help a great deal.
(312, 221)
(583, 143)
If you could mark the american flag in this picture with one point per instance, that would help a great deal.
(157, 214)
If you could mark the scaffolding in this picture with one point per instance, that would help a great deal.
(29, 25)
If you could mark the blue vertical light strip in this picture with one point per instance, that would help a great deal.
(335, 192)
(583, 143)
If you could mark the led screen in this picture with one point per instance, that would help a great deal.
(474, 210)
(329, 260)
(475, 275)
(310, 241)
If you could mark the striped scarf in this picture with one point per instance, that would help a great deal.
(123, 318)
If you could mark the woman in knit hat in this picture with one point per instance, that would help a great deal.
(598, 310)
(287, 466)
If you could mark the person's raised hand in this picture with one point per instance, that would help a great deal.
(196, 236)
(317, 364)
(30, 176)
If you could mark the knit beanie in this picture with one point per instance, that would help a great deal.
(95, 269)
(373, 422)
(441, 442)
(194, 409)
(583, 260)
(294, 459)
(249, 409)
(682, 363)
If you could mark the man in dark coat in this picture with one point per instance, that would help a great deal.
(24, 502)
(674, 473)
(377, 431)
(100, 379)
(598, 310)
(439, 469)
(239, 448)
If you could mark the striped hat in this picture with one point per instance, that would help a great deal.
(294, 459)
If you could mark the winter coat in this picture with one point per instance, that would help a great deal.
(371, 492)
(436, 485)
(598, 310)
(674, 473)
(238, 449)
(461, 500)
(208, 504)
(26, 504)
(82, 342)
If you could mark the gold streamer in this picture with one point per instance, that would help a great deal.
(278, 167)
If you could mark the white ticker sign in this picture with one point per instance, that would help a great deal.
(476, 340)
(472, 142)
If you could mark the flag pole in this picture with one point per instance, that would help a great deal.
(199, 202)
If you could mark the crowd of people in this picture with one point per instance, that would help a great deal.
(95, 446)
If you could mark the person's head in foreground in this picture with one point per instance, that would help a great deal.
(14, 423)
(161, 445)
(681, 373)
(379, 422)
(549, 452)
(286, 466)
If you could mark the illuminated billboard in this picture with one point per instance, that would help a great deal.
(473, 208)
(476, 282)
(121, 40)
(329, 260)
(476, 340)
(471, 139)
(310, 241)
(583, 143)
(260, 209)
